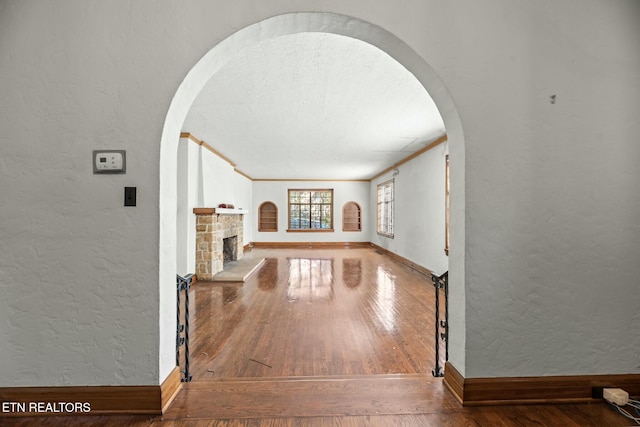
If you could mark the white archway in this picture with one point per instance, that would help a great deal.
(211, 63)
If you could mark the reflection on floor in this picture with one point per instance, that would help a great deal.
(314, 313)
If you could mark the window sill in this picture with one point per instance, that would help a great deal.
(390, 236)
(310, 230)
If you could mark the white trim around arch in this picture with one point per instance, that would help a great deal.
(225, 51)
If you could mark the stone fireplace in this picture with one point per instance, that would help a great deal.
(219, 237)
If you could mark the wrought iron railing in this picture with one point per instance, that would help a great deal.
(441, 285)
(183, 284)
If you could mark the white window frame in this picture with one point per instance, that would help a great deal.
(385, 208)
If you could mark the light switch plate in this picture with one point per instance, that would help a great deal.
(130, 196)
(109, 161)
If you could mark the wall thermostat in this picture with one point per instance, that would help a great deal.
(109, 161)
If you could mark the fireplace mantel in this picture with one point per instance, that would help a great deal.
(219, 211)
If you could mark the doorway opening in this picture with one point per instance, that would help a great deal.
(213, 61)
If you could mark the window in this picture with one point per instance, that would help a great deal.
(385, 208)
(351, 217)
(310, 210)
(268, 217)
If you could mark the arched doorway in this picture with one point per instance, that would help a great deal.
(213, 61)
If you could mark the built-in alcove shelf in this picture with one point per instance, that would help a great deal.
(219, 211)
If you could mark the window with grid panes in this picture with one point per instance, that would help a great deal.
(385, 208)
(310, 210)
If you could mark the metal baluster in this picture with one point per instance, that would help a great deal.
(187, 286)
(441, 282)
(437, 370)
(183, 284)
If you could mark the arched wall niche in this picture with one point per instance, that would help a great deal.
(267, 217)
(351, 217)
(226, 50)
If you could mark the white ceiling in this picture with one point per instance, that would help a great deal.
(314, 106)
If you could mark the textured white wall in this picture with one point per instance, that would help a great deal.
(343, 192)
(79, 270)
(184, 262)
(205, 180)
(552, 206)
(419, 204)
(221, 184)
(544, 259)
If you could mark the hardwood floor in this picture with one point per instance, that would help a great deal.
(314, 313)
(324, 338)
(577, 415)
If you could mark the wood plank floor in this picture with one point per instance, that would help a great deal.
(314, 313)
(408, 401)
(324, 338)
(313, 397)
